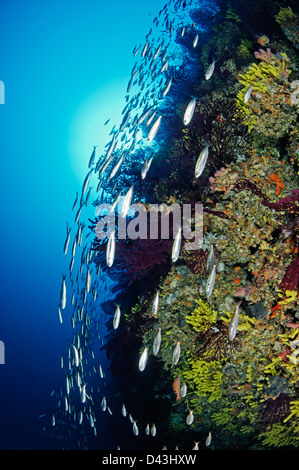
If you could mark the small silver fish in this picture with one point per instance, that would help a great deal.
(211, 281)
(86, 181)
(83, 393)
(153, 430)
(88, 280)
(209, 439)
(75, 202)
(176, 246)
(67, 241)
(247, 94)
(154, 129)
(147, 429)
(233, 326)
(195, 41)
(135, 429)
(60, 316)
(143, 360)
(210, 70)
(127, 202)
(115, 169)
(167, 87)
(157, 343)
(183, 390)
(116, 318)
(176, 353)
(189, 111)
(92, 157)
(146, 167)
(123, 411)
(104, 404)
(190, 418)
(76, 355)
(156, 304)
(110, 250)
(210, 260)
(63, 293)
(201, 161)
(195, 445)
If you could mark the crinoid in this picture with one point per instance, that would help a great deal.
(276, 409)
(214, 343)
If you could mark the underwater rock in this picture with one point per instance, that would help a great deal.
(257, 311)
(277, 385)
(228, 305)
(183, 271)
(220, 267)
(170, 299)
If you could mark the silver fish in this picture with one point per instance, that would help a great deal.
(110, 254)
(146, 167)
(211, 281)
(76, 355)
(183, 390)
(143, 360)
(151, 117)
(75, 202)
(209, 439)
(111, 147)
(123, 411)
(135, 429)
(210, 70)
(201, 161)
(60, 316)
(190, 418)
(176, 246)
(210, 260)
(153, 430)
(189, 111)
(63, 293)
(157, 343)
(127, 202)
(67, 241)
(92, 157)
(154, 129)
(167, 87)
(247, 94)
(147, 429)
(176, 353)
(88, 280)
(116, 318)
(104, 404)
(195, 41)
(195, 445)
(156, 304)
(233, 326)
(86, 181)
(83, 393)
(101, 371)
(115, 169)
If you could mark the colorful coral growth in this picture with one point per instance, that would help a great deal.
(245, 388)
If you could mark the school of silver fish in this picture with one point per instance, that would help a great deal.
(82, 286)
